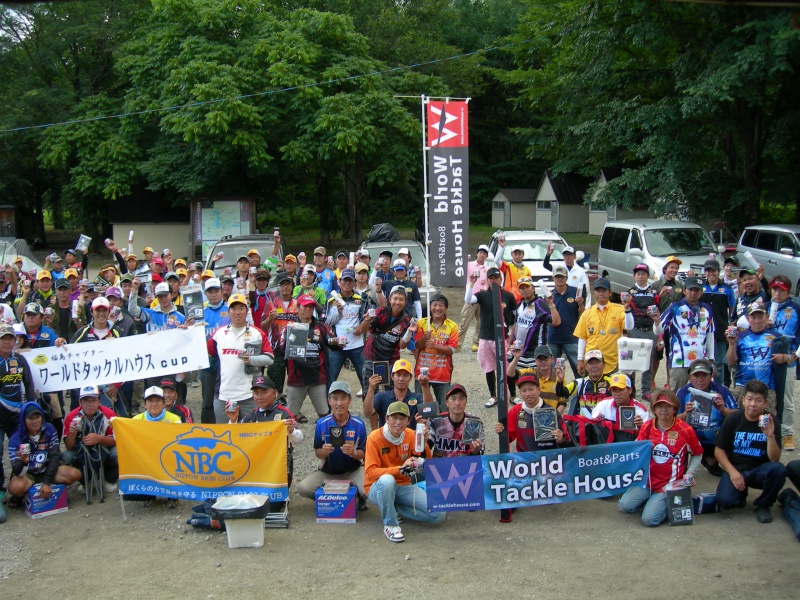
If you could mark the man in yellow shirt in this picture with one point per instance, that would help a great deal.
(601, 325)
(155, 407)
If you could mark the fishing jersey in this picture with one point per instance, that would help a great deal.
(285, 313)
(786, 320)
(310, 369)
(229, 343)
(754, 357)
(532, 319)
(345, 323)
(384, 458)
(440, 365)
(44, 338)
(607, 409)
(520, 429)
(16, 383)
(690, 332)
(746, 300)
(671, 448)
(337, 462)
(721, 299)
(454, 439)
(511, 274)
(641, 299)
(385, 333)
(587, 394)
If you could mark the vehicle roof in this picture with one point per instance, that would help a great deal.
(398, 243)
(793, 227)
(654, 224)
(255, 237)
(526, 234)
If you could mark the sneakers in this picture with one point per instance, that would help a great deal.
(517, 400)
(474, 347)
(763, 514)
(491, 402)
(362, 503)
(393, 534)
(110, 487)
(360, 393)
(788, 443)
(81, 488)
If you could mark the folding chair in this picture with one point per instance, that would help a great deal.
(93, 475)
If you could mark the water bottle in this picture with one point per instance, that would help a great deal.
(419, 438)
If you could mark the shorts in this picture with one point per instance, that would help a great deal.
(35, 478)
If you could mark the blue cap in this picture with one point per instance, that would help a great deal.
(602, 282)
(348, 274)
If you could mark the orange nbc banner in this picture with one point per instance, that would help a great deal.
(195, 462)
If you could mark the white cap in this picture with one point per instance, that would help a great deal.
(403, 251)
(483, 247)
(162, 288)
(101, 301)
(515, 248)
(569, 249)
(310, 269)
(213, 282)
(19, 329)
(153, 390)
(399, 263)
(89, 390)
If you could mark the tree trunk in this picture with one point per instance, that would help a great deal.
(750, 131)
(325, 210)
(353, 203)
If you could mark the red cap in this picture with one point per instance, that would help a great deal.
(306, 300)
(527, 378)
(777, 283)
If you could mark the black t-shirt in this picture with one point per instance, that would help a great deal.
(487, 315)
(412, 294)
(64, 320)
(743, 441)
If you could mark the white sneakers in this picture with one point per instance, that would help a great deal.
(393, 533)
(517, 400)
(110, 487)
(491, 402)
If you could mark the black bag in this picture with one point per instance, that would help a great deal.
(382, 232)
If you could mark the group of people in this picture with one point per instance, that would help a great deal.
(280, 330)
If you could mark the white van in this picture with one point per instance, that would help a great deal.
(626, 243)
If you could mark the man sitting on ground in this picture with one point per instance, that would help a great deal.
(621, 397)
(455, 432)
(155, 407)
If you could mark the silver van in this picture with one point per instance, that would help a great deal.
(626, 243)
(774, 247)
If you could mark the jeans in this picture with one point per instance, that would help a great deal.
(720, 361)
(208, 381)
(409, 500)
(768, 477)
(787, 418)
(356, 356)
(655, 505)
(571, 351)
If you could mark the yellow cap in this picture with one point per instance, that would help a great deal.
(70, 273)
(180, 272)
(207, 273)
(402, 365)
(43, 274)
(236, 298)
(253, 251)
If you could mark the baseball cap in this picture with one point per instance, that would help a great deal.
(483, 248)
(6, 329)
(100, 302)
(162, 288)
(398, 289)
(620, 380)
(441, 298)
(402, 365)
(147, 249)
(731, 259)
(320, 250)
(19, 329)
(17, 259)
(33, 308)
(89, 391)
(57, 258)
(236, 298)
(253, 251)
(170, 275)
(113, 291)
(777, 283)
(711, 264)
(756, 307)
(361, 267)
(517, 248)
(263, 382)
(131, 256)
(340, 386)
(43, 274)
(306, 300)
(665, 396)
(560, 270)
(290, 258)
(71, 273)
(180, 271)
(168, 382)
(456, 387)
(398, 408)
(283, 277)
(528, 377)
(70, 251)
(309, 269)
(180, 261)
(693, 283)
(641, 267)
(493, 272)
(399, 264)
(126, 277)
(158, 261)
(63, 283)
(348, 274)
(207, 273)
(386, 253)
(341, 253)
(542, 350)
(153, 390)
(31, 408)
(226, 277)
(593, 354)
(568, 249)
(242, 257)
(403, 250)
(363, 252)
(674, 259)
(262, 274)
(602, 283)
(701, 365)
(524, 281)
(212, 283)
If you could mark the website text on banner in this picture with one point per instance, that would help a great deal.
(118, 360)
(198, 462)
(515, 480)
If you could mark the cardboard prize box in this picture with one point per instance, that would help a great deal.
(37, 507)
(335, 502)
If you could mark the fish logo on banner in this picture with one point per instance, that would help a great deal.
(201, 459)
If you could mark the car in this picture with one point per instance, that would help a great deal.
(626, 243)
(233, 247)
(534, 244)
(417, 251)
(774, 247)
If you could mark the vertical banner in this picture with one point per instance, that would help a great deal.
(448, 187)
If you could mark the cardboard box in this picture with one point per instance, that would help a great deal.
(37, 507)
(679, 505)
(336, 508)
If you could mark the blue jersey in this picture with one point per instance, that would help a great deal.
(754, 353)
(786, 321)
(337, 461)
(215, 318)
(44, 338)
(158, 321)
(326, 279)
(707, 434)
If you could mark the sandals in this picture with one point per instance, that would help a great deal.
(301, 418)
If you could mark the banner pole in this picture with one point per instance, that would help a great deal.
(500, 372)
(426, 195)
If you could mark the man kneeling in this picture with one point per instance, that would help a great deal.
(390, 454)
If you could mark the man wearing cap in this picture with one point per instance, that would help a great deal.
(307, 375)
(389, 456)
(455, 432)
(8, 286)
(39, 335)
(749, 453)
(340, 259)
(71, 262)
(368, 293)
(383, 269)
(34, 452)
(750, 352)
(390, 330)
(309, 286)
(243, 350)
(413, 305)
(325, 278)
(122, 322)
(720, 297)
(173, 280)
(363, 257)
(587, 391)
(156, 408)
(532, 317)
(376, 404)
(471, 312)
(569, 305)
(487, 349)
(520, 420)
(548, 377)
(601, 325)
(723, 404)
(511, 270)
(91, 433)
(43, 295)
(435, 341)
(281, 311)
(689, 326)
(576, 274)
(751, 289)
(55, 264)
(340, 442)
(670, 289)
(730, 274)
(16, 384)
(170, 389)
(345, 312)
(672, 442)
(163, 315)
(608, 409)
(785, 319)
(643, 299)
(290, 268)
(254, 257)
(260, 297)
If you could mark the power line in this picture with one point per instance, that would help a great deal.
(255, 94)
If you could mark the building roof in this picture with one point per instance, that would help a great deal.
(569, 188)
(518, 194)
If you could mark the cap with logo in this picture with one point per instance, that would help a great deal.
(180, 271)
(147, 249)
(162, 289)
(641, 267)
(306, 300)
(114, 292)
(561, 271)
(43, 274)
(126, 277)
(236, 299)
(71, 273)
(399, 264)
(620, 380)
(131, 256)
(402, 365)
(253, 251)
(89, 391)
(63, 283)
(454, 389)
(780, 284)
(483, 248)
(602, 283)
(711, 264)
(398, 408)
(593, 355)
(693, 283)
(701, 365)
(100, 302)
(263, 382)
(732, 260)
(568, 250)
(671, 259)
(33, 308)
(320, 250)
(756, 307)
(493, 272)
(290, 258)
(665, 398)
(340, 386)
(398, 289)
(363, 252)
(208, 273)
(213, 283)
(168, 382)
(70, 251)
(6, 329)
(524, 281)
(348, 274)
(361, 267)
(517, 249)
(529, 377)
(152, 391)
(283, 278)
(341, 253)
(403, 250)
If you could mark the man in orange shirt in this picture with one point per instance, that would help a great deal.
(390, 459)
(513, 269)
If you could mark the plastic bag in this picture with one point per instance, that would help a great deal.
(245, 506)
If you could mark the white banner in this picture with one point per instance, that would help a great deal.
(119, 359)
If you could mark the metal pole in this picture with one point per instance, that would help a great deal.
(426, 195)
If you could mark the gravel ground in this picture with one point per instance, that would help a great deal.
(581, 549)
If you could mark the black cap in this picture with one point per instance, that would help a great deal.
(493, 272)
(711, 264)
(263, 382)
(226, 277)
(62, 283)
(283, 277)
(693, 283)
(602, 282)
(542, 350)
(168, 382)
(732, 260)
(441, 298)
